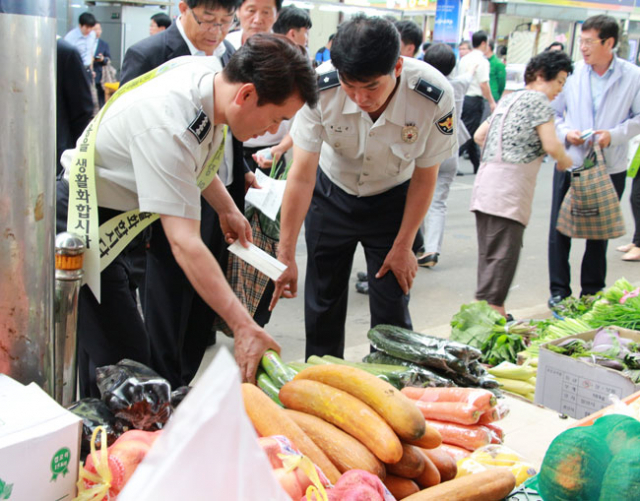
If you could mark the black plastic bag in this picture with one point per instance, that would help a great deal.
(94, 413)
(137, 395)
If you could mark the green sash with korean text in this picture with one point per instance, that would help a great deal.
(104, 243)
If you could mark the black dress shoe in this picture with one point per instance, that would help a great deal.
(362, 287)
(362, 276)
(554, 301)
(428, 260)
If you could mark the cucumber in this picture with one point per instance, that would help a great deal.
(268, 387)
(315, 360)
(419, 376)
(277, 370)
(406, 345)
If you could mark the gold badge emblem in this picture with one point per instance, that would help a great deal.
(409, 133)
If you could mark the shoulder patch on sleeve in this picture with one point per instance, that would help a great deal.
(200, 126)
(445, 124)
(429, 90)
(328, 80)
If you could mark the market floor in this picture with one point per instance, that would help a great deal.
(439, 292)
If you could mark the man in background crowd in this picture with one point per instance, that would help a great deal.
(294, 23)
(463, 49)
(74, 106)
(602, 94)
(159, 22)
(83, 38)
(101, 58)
(255, 16)
(324, 53)
(476, 63)
(410, 37)
(497, 72)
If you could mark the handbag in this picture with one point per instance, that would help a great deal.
(591, 208)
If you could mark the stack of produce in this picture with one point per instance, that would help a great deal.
(496, 456)
(454, 361)
(344, 418)
(519, 379)
(619, 306)
(601, 461)
(464, 417)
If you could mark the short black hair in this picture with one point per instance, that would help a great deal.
(229, 5)
(464, 42)
(555, 44)
(502, 50)
(365, 48)
(547, 64)
(478, 38)
(410, 33)
(291, 17)
(276, 66)
(162, 20)
(606, 26)
(491, 44)
(278, 4)
(87, 19)
(441, 57)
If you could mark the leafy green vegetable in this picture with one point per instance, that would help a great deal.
(571, 307)
(619, 305)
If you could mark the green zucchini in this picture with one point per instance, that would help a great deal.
(406, 345)
(268, 387)
(298, 366)
(277, 370)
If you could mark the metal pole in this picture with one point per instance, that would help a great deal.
(27, 196)
(69, 255)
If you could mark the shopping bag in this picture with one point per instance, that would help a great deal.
(209, 449)
(591, 208)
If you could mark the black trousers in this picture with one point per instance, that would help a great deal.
(335, 224)
(177, 319)
(472, 112)
(593, 272)
(635, 208)
(113, 329)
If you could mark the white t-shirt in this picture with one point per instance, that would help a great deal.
(153, 141)
(475, 59)
(365, 158)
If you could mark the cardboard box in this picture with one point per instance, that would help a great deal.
(39, 445)
(579, 388)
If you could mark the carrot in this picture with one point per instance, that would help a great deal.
(444, 462)
(497, 433)
(495, 414)
(470, 437)
(457, 453)
(454, 412)
(483, 400)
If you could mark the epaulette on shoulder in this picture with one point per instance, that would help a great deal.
(429, 90)
(328, 80)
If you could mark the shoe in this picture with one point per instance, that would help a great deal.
(428, 260)
(459, 173)
(625, 248)
(362, 276)
(632, 255)
(362, 287)
(554, 301)
(509, 317)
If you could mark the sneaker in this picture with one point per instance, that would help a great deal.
(554, 301)
(362, 287)
(428, 260)
(362, 276)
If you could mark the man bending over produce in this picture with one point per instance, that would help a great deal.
(159, 138)
(382, 127)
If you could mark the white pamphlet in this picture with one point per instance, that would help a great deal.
(259, 259)
(269, 198)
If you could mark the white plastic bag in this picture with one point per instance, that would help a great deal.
(209, 450)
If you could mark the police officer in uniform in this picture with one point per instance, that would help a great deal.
(151, 144)
(383, 125)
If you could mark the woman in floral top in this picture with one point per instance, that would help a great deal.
(515, 139)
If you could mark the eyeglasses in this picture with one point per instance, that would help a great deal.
(210, 25)
(589, 42)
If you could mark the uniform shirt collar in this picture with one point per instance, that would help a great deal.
(192, 48)
(394, 111)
